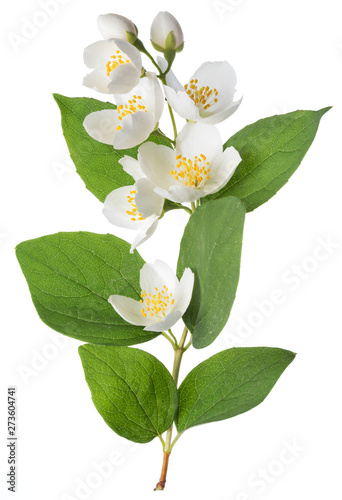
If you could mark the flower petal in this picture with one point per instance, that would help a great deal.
(223, 170)
(168, 322)
(164, 193)
(156, 162)
(129, 309)
(114, 26)
(131, 52)
(213, 119)
(158, 275)
(148, 202)
(144, 234)
(152, 95)
(218, 75)
(116, 206)
(131, 167)
(182, 103)
(123, 79)
(97, 80)
(158, 99)
(135, 130)
(171, 79)
(186, 286)
(196, 139)
(99, 53)
(183, 194)
(101, 125)
(147, 93)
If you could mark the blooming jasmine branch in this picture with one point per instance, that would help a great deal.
(132, 390)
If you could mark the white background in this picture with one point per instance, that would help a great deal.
(288, 55)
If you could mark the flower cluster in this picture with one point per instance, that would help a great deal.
(182, 170)
(190, 167)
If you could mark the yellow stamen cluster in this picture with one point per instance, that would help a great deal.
(115, 61)
(203, 97)
(192, 173)
(135, 215)
(133, 105)
(157, 304)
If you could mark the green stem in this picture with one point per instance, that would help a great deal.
(188, 345)
(175, 441)
(175, 133)
(168, 445)
(179, 351)
(193, 207)
(186, 209)
(174, 338)
(152, 60)
(161, 440)
(174, 345)
(141, 47)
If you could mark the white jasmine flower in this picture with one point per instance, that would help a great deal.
(166, 33)
(197, 167)
(116, 66)
(116, 26)
(163, 301)
(135, 207)
(137, 115)
(209, 95)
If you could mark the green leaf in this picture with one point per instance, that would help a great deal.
(131, 389)
(71, 276)
(229, 383)
(96, 163)
(211, 247)
(271, 150)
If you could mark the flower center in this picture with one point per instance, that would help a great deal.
(156, 305)
(192, 173)
(133, 105)
(203, 97)
(115, 61)
(133, 212)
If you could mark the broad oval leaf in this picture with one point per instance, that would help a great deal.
(211, 247)
(72, 275)
(229, 383)
(97, 164)
(271, 150)
(131, 389)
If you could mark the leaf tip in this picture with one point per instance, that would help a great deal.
(82, 350)
(323, 111)
(57, 97)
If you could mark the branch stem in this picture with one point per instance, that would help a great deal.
(179, 351)
(162, 480)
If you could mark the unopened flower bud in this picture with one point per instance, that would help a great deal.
(166, 33)
(119, 27)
